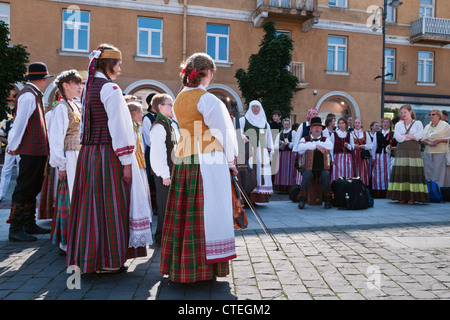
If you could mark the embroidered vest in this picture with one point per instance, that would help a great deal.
(171, 139)
(35, 138)
(339, 143)
(195, 133)
(72, 140)
(97, 122)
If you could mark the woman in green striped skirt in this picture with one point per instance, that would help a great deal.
(407, 183)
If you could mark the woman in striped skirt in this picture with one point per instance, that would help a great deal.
(285, 176)
(407, 182)
(381, 161)
(198, 234)
(106, 174)
(363, 144)
(342, 152)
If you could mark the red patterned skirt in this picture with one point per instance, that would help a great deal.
(47, 198)
(286, 174)
(99, 218)
(183, 250)
(342, 166)
(362, 167)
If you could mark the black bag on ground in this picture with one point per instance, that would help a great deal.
(358, 195)
(293, 193)
(339, 189)
(445, 193)
(350, 194)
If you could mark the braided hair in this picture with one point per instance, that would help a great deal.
(195, 68)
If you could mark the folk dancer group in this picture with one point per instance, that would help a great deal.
(101, 155)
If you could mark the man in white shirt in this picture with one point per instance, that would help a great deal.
(321, 146)
(163, 140)
(29, 139)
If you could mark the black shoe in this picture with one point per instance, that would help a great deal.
(21, 236)
(328, 204)
(301, 203)
(29, 222)
(61, 252)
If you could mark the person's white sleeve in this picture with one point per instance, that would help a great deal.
(218, 120)
(303, 146)
(418, 130)
(297, 138)
(26, 104)
(399, 132)
(369, 143)
(146, 124)
(326, 144)
(57, 134)
(373, 150)
(158, 151)
(120, 124)
(351, 145)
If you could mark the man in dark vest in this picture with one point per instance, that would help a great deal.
(163, 139)
(319, 146)
(28, 138)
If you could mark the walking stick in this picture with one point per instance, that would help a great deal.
(258, 217)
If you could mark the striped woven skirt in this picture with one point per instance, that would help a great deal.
(47, 198)
(362, 167)
(62, 214)
(183, 249)
(286, 174)
(342, 166)
(99, 217)
(380, 175)
(407, 181)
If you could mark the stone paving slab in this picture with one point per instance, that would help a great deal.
(388, 252)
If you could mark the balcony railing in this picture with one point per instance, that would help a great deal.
(298, 10)
(432, 30)
(307, 5)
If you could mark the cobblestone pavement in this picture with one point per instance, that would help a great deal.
(390, 251)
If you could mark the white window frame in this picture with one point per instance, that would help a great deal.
(431, 6)
(336, 53)
(338, 5)
(8, 16)
(393, 11)
(217, 36)
(76, 25)
(386, 59)
(425, 60)
(150, 31)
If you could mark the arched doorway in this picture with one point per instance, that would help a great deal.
(338, 102)
(222, 91)
(142, 88)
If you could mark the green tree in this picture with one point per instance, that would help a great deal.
(13, 60)
(268, 78)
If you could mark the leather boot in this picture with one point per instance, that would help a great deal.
(16, 228)
(327, 197)
(302, 199)
(30, 221)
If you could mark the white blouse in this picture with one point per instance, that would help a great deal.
(400, 130)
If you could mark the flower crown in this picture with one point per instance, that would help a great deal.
(64, 74)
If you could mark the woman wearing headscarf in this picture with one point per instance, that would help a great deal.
(257, 130)
(436, 137)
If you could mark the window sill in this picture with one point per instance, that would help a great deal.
(223, 64)
(391, 81)
(337, 73)
(149, 59)
(67, 53)
(426, 84)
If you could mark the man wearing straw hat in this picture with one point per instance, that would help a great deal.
(29, 139)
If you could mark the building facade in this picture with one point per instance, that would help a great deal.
(337, 53)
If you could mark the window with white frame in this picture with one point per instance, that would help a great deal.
(426, 8)
(337, 53)
(217, 42)
(4, 13)
(150, 37)
(75, 33)
(391, 12)
(337, 3)
(425, 67)
(390, 63)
